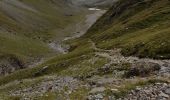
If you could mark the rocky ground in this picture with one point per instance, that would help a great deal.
(157, 91)
(97, 83)
(115, 77)
(65, 85)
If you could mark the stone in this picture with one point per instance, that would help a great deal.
(165, 65)
(167, 91)
(111, 98)
(142, 69)
(146, 91)
(97, 90)
(154, 66)
(99, 96)
(137, 89)
(90, 97)
(157, 91)
(163, 95)
(115, 90)
(41, 71)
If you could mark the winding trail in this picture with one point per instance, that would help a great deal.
(116, 57)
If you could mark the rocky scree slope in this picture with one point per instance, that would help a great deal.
(95, 68)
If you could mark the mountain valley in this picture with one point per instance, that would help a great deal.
(84, 50)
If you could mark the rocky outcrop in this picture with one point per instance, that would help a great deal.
(158, 91)
(142, 69)
(65, 85)
(9, 63)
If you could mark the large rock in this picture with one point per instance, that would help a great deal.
(41, 71)
(149, 92)
(167, 91)
(97, 90)
(10, 63)
(142, 69)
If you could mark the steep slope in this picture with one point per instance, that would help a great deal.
(35, 18)
(93, 3)
(141, 28)
(28, 26)
(94, 68)
(34, 28)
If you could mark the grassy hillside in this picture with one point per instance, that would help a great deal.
(34, 18)
(140, 28)
(109, 32)
(22, 46)
(28, 26)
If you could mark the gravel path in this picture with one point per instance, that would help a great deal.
(116, 57)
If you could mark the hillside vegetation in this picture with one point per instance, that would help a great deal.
(139, 27)
(28, 26)
(113, 60)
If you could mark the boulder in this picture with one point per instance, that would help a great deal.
(142, 69)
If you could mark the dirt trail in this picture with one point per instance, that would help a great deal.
(116, 57)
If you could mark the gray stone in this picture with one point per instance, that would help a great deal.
(167, 91)
(164, 95)
(99, 96)
(97, 90)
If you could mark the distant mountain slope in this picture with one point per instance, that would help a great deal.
(93, 3)
(27, 27)
(30, 16)
(30, 29)
(140, 27)
(94, 67)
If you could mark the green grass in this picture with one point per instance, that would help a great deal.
(48, 16)
(144, 34)
(26, 34)
(55, 65)
(79, 94)
(81, 59)
(13, 44)
(22, 48)
(142, 29)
